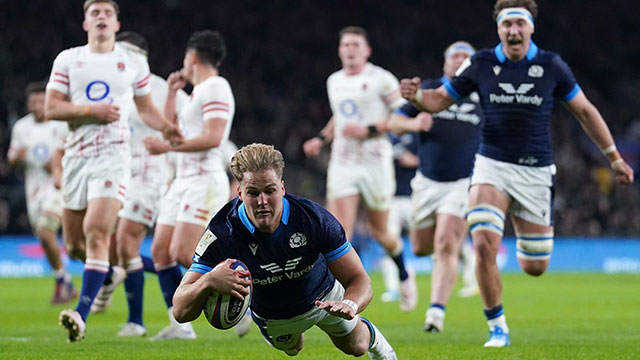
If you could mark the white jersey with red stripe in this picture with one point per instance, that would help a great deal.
(88, 78)
(40, 139)
(366, 98)
(210, 99)
(147, 168)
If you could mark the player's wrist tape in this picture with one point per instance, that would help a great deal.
(86, 110)
(373, 130)
(351, 304)
(612, 154)
(418, 97)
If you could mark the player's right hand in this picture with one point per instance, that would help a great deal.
(426, 121)
(225, 280)
(106, 112)
(312, 147)
(176, 81)
(409, 87)
(624, 172)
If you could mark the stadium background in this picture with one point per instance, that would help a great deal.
(280, 54)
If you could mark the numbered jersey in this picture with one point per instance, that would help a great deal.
(209, 100)
(88, 78)
(40, 139)
(367, 99)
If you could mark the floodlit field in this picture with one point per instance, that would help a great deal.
(557, 316)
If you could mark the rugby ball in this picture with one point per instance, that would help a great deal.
(224, 311)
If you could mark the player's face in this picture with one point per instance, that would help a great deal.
(515, 35)
(35, 105)
(188, 63)
(101, 21)
(354, 51)
(262, 194)
(453, 62)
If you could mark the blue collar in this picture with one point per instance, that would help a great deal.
(242, 212)
(533, 51)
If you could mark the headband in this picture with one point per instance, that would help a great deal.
(515, 13)
(458, 47)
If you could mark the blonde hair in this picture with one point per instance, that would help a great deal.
(256, 157)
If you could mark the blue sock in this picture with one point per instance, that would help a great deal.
(494, 312)
(95, 271)
(399, 260)
(372, 331)
(133, 287)
(436, 305)
(108, 279)
(147, 263)
(169, 278)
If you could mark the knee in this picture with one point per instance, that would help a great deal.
(422, 249)
(447, 246)
(484, 250)
(160, 252)
(420, 244)
(180, 254)
(534, 268)
(534, 251)
(75, 252)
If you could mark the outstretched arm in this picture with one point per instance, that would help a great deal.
(429, 100)
(596, 128)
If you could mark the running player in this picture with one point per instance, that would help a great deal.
(448, 143)
(513, 172)
(91, 88)
(304, 270)
(33, 142)
(362, 96)
(201, 186)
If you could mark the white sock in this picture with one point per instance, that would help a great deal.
(500, 321)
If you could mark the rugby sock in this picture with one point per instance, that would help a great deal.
(109, 280)
(147, 264)
(398, 258)
(493, 312)
(439, 306)
(372, 331)
(95, 271)
(169, 277)
(133, 287)
(495, 317)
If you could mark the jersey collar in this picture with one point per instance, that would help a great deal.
(533, 51)
(242, 213)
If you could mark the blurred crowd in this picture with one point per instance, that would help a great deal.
(281, 52)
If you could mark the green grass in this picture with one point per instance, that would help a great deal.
(557, 316)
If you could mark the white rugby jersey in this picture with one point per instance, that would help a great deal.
(40, 140)
(367, 99)
(88, 78)
(210, 99)
(145, 167)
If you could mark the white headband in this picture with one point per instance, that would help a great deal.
(458, 46)
(515, 13)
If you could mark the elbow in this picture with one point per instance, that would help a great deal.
(180, 314)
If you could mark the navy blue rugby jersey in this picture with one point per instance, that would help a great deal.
(517, 99)
(289, 267)
(447, 151)
(403, 143)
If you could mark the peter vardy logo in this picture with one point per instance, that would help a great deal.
(279, 274)
(516, 95)
(297, 240)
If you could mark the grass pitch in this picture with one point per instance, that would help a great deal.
(556, 316)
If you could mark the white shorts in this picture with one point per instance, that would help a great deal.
(87, 178)
(194, 199)
(284, 333)
(142, 202)
(399, 214)
(375, 183)
(529, 188)
(48, 200)
(430, 198)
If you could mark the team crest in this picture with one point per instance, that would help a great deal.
(121, 66)
(108, 184)
(297, 240)
(207, 238)
(536, 71)
(136, 207)
(364, 86)
(496, 70)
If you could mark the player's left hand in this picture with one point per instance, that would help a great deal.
(156, 146)
(624, 172)
(336, 308)
(355, 131)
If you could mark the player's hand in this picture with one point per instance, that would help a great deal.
(107, 113)
(355, 131)
(173, 134)
(17, 155)
(225, 280)
(176, 81)
(312, 147)
(336, 308)
(409, 87)
(426, 121)
(624, 172)
(156, 146)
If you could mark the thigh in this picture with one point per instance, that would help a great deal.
(184, 240)
(72, 230)
(345, 209)
(161, 243)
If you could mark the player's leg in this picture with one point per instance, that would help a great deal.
(73, 234)
(485, 218)
(345, 209)
(363, 338)
(399, 219)
(449, 232)
(468, 264)
(129, 236)
(534, 245)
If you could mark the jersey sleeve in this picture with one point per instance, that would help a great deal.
(17, 140)
(142, 82)
(333, 243)
(465, 80)
(59, 78)
(216, 100)
(391, 91)
(566, 87)
(208, 253)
